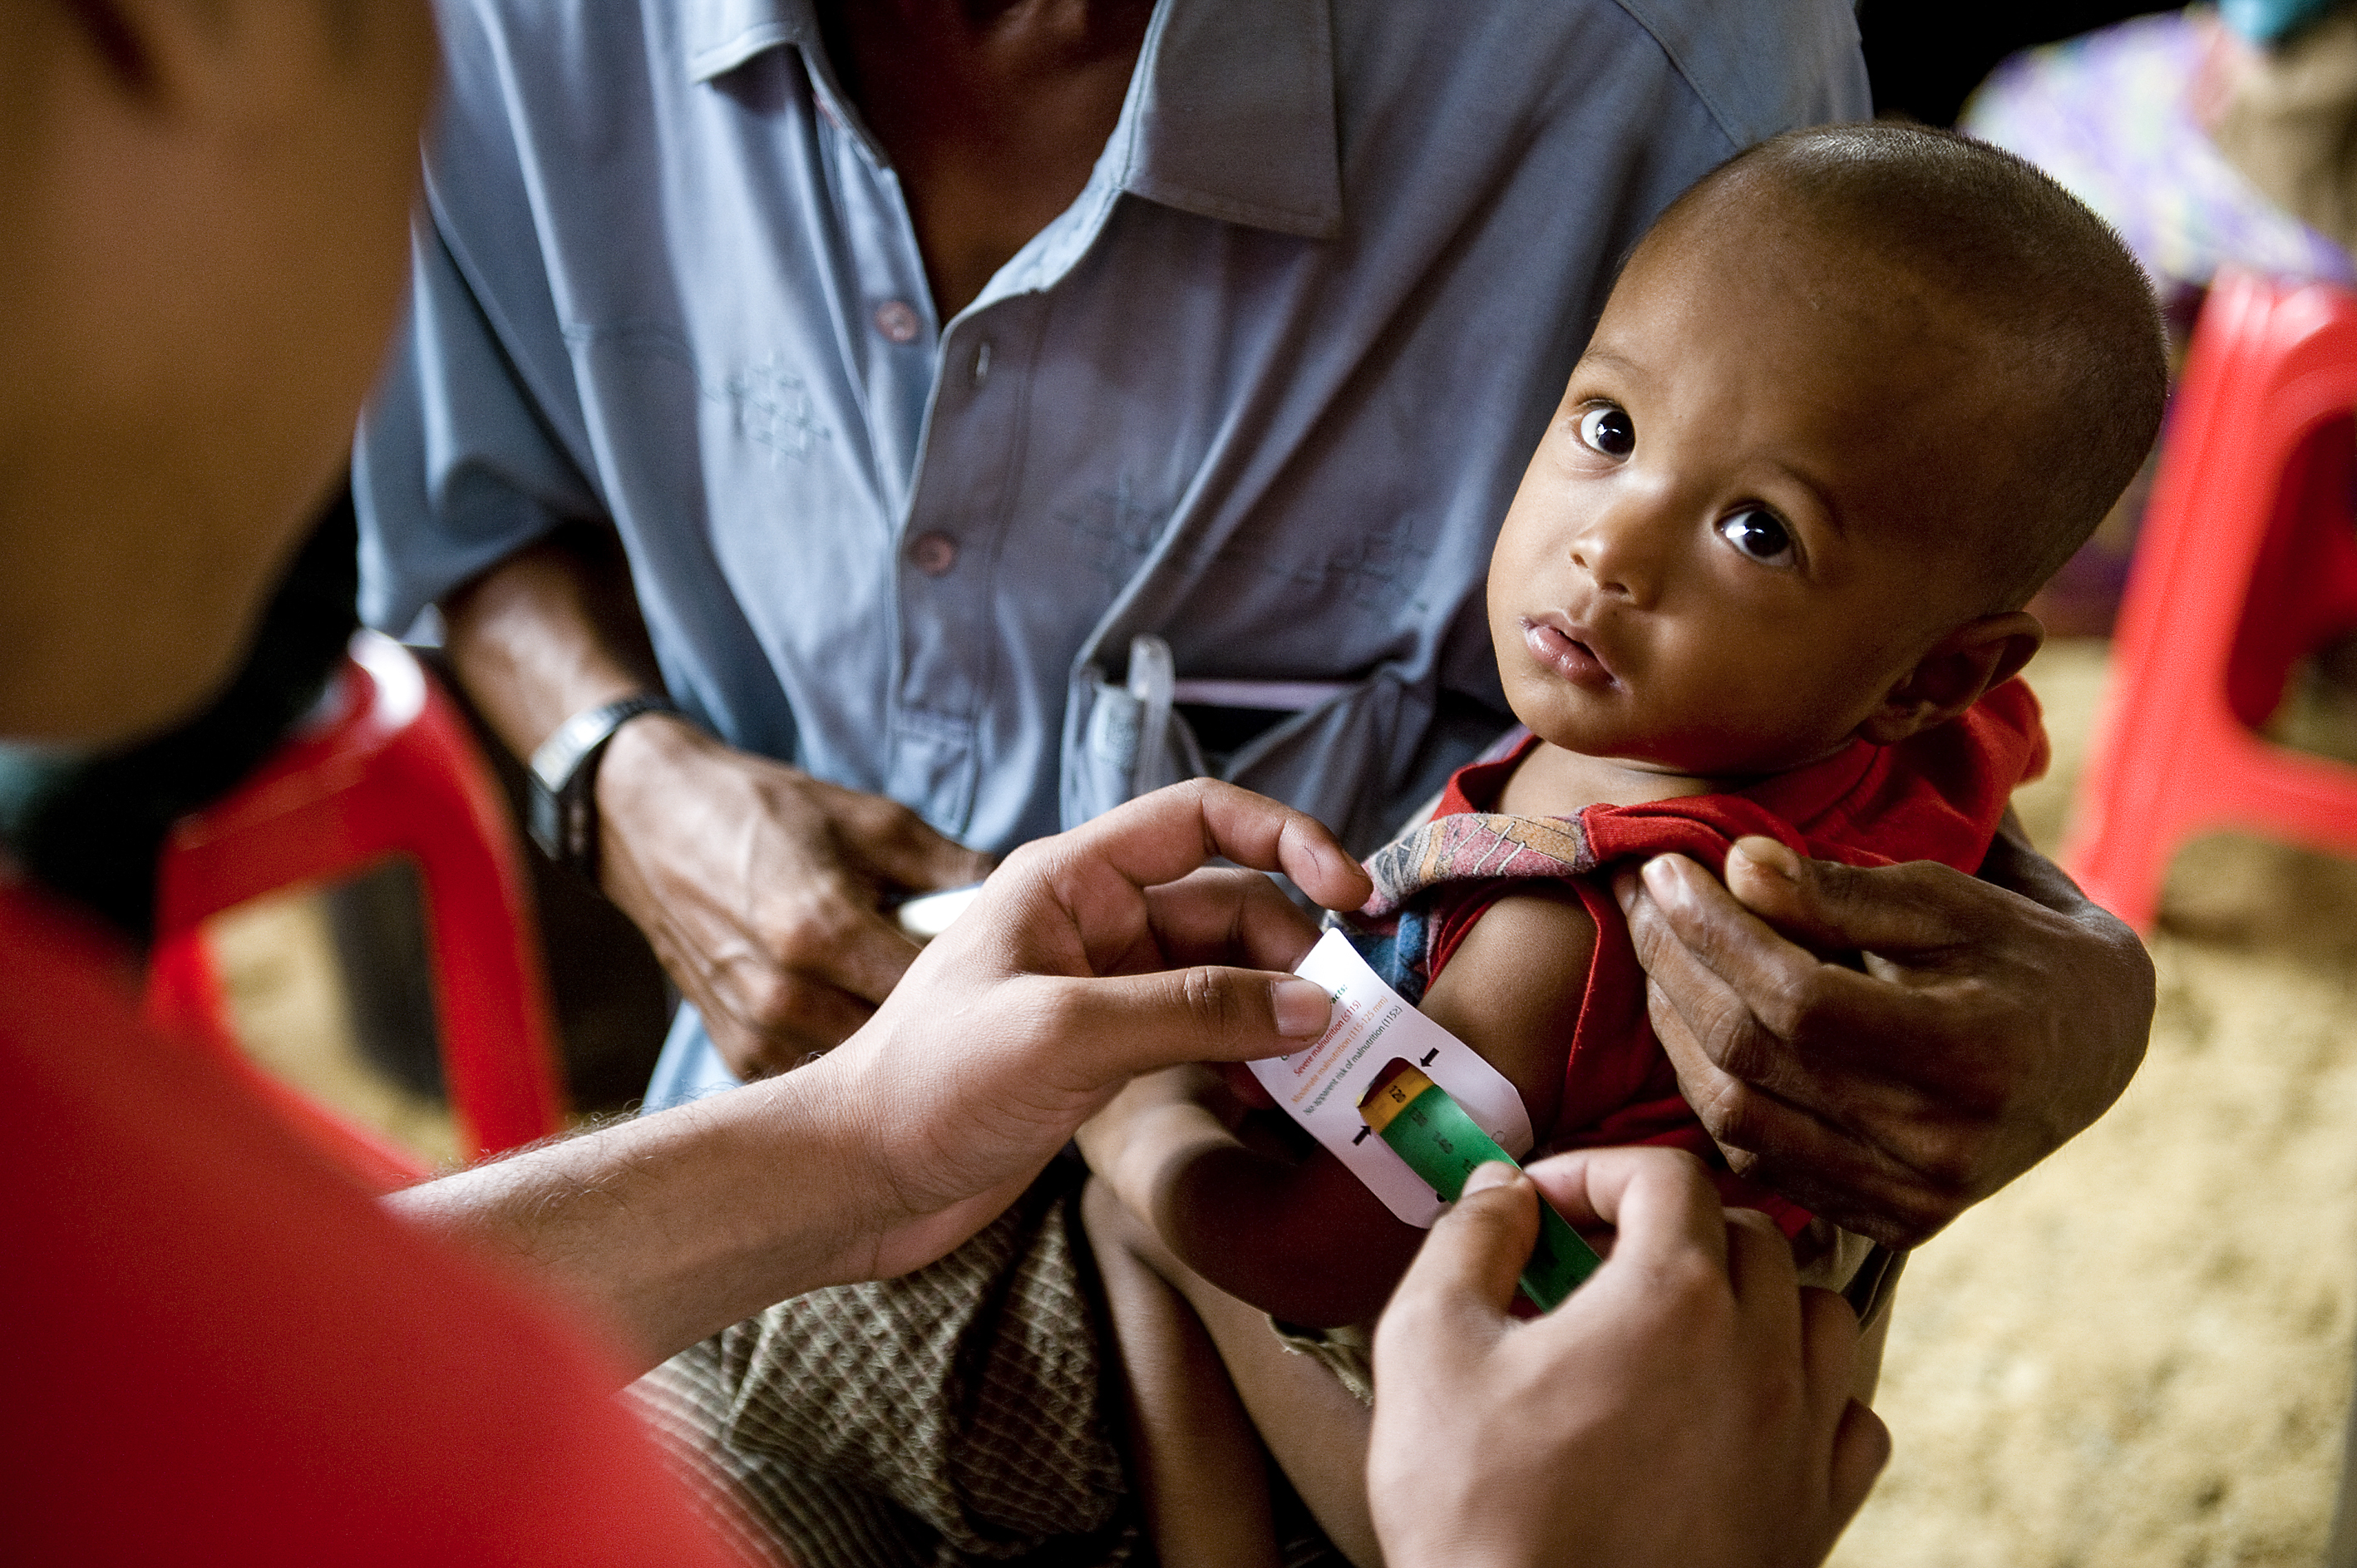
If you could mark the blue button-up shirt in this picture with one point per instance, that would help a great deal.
(1263, 392)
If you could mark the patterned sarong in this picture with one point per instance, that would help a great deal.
(961, 1414)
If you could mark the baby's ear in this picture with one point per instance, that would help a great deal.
(1951, 677)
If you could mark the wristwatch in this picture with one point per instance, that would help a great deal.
(563, 820)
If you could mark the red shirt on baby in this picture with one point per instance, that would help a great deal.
(1938, 795)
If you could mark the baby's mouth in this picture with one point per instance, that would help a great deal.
(1557, 645)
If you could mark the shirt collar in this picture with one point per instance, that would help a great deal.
(1229, 114)
(721, 35)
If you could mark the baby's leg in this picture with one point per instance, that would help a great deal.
(1312, 1425)
(1202, 1478)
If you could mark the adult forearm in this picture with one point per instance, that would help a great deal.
(546, 633)
(669, 1227)
(1091, 958)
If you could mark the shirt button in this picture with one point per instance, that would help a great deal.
(933, 553)
(897, 320)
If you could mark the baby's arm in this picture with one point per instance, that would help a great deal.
(1234, 1194)
(1244, 1198)
(1513, 988)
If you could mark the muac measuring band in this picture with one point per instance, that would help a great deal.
(1442, 1144)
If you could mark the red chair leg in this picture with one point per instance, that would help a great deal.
(2247, 562)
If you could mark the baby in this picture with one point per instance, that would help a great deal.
(1852, 401)
(1854, 397)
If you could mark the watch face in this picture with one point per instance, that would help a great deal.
(563, 775)
(542, 819)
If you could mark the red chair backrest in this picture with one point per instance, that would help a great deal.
(391, 771)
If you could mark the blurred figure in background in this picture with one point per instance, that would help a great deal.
(2208, 139)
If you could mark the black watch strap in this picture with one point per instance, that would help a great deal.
(563, 820)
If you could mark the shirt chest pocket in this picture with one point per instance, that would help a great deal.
(1341, 752)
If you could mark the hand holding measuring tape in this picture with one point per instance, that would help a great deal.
(1688, 1405)
(1088, 958)
(1410, 1108)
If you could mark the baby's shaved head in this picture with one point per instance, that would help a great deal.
(2069, 321)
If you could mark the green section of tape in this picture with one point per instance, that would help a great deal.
(1443, 1146)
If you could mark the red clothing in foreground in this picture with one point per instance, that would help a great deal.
(1937, 796)
(218, 1349)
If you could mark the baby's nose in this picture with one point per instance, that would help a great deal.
(1623, 552)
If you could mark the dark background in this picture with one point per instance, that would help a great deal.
(1925, 60)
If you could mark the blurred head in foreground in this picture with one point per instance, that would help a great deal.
(205, 249)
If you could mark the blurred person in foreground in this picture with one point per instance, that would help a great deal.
(217, 1345)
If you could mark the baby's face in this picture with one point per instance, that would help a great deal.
(1740, 529)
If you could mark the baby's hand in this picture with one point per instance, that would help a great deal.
(1155, 1122)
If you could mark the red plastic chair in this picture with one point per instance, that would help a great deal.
(2247, 563)
(392, 771)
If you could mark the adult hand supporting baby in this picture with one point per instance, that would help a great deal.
(1996, 1017)
(1090, 958)
(1698, 1399)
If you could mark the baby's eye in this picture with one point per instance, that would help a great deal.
(1760, 535)
(1609, 430)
